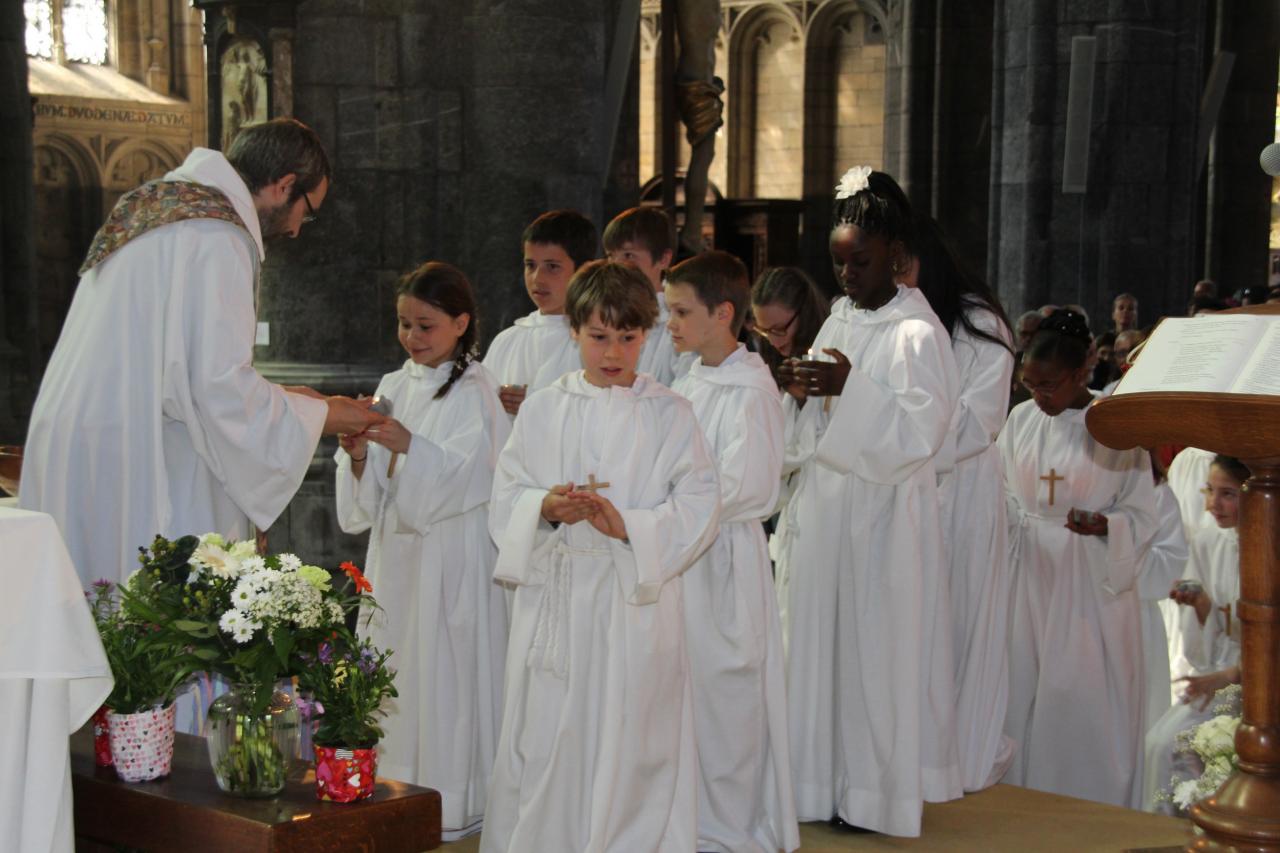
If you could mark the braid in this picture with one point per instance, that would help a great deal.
(466, 352)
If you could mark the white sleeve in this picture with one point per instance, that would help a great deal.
(885, 431)
(256, 438)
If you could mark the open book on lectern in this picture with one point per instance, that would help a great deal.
(1222, 354)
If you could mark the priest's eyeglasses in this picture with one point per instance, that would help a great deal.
(781, 331)
(310, 215)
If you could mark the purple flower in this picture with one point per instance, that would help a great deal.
(326, 653)
(367, 664)
(102, 584)
(309, 708)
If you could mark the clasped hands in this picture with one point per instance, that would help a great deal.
(563, 505)
(804, 378)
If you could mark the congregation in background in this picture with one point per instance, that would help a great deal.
(686, 559)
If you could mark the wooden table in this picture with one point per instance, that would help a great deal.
(186, 811)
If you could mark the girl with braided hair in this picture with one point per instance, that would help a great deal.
(420, 484)
(1080, 519)
(861, 573)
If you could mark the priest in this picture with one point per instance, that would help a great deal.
(150, 418)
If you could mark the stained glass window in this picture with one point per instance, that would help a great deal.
(39, 15)
(82, 36)
(84, 30)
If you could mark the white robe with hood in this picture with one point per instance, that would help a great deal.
(1211, 647)
(150, 417)
(870, 678)
(1076, 679)
(976, 541)
(597, 746)
(534, 351)
(431, 564)
(745, 802)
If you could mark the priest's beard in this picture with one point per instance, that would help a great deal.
(274, 221)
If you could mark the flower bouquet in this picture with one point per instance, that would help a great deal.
(1208, 749)
(344, 684)
(224, 607)
(137, 717)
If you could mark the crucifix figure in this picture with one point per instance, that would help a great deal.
(1051, 478)
(592, 485)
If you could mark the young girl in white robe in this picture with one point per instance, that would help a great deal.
(1080, 517)
(604, 495)
(870, 679)
(420, 484)
(971, 487)
(745, 804)
(1207, 623)
(789, 310)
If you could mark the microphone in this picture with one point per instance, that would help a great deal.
(1270, 159)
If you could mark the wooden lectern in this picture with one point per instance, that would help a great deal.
(1244, 814)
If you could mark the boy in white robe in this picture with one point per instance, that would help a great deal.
(150, 417)
(421, 484)
(745, 804)
(645, 238)
(538, 348)
(605, 494)
(870, 678)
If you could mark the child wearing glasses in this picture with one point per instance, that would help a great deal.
(537, 349)
(731, 616)
(645, 238)
(1080, 518)
(420, 484)
(1207, 623)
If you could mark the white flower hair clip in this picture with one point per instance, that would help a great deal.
(853, 182)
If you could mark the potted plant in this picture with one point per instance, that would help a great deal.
(138, 714)
(224, 607)
(344, 684)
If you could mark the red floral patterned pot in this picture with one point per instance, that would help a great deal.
(345, 775)
(142, 744)
(101, 738)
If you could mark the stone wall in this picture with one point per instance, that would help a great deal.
(450, 126)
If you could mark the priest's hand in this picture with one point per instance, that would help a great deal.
(1086, 523)
(304, 391)
(607, 519)
(511, 396)
(349, 417)
(822, 378)
(391, 434)
(562, 505)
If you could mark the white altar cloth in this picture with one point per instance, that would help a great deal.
(53, 676)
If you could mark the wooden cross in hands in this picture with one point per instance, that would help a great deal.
(592, 486)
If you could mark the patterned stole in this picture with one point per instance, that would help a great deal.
(152, 205)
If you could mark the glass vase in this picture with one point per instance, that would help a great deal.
(253, 739)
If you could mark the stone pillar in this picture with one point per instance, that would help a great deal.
(1236, 247)
(19, 353)
(450, 129)
(937, 115)
(1132, 230)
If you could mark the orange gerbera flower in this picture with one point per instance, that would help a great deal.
(357, 577)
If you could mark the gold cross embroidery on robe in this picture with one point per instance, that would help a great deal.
(1052, 479)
